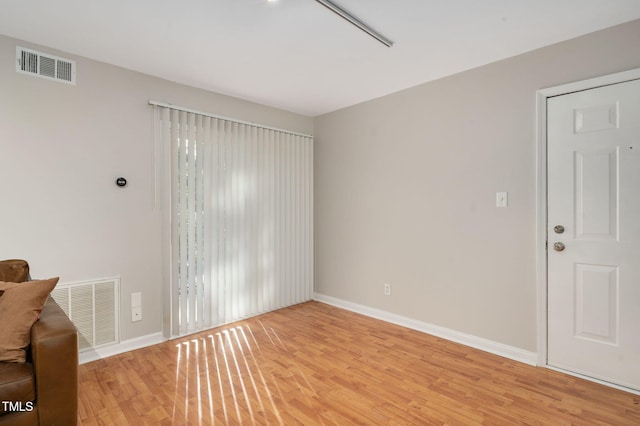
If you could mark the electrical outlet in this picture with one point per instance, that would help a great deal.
(387, 289)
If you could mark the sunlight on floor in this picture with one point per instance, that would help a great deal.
(220, 377)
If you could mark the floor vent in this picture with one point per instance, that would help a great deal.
(43, 65)
(93, 308)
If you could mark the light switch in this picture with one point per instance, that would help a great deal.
(136, 314)
(502, 199)
(136, 307)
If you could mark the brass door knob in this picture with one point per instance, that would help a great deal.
(558, 229)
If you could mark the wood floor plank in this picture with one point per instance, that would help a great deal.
(314, 364)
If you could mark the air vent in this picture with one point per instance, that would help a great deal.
(43, 65)
(93, 308)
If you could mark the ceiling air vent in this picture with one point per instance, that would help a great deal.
(43, 65)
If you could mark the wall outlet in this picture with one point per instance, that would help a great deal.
(387, 289)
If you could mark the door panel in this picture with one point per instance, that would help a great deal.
(597, 303)
(593, 191)
(596, 182)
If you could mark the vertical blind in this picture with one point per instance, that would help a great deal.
(241, 218)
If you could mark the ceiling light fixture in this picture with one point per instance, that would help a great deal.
(338, 10)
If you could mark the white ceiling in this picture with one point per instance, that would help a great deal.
(296, 54)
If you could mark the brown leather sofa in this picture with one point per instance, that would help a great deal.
(43, 390)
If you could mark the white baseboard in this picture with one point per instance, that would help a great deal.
(486, 345)
(118, 348)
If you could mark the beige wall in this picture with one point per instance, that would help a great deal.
(61, 149)
(405, 189)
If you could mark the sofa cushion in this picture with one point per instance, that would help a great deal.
(14, 270)
(16, 383)
(20, 307)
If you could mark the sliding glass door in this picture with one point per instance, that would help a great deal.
(241, 219)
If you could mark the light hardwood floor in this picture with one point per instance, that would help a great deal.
(315, 364)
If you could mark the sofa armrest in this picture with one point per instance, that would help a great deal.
(54, 352)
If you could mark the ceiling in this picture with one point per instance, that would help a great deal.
(296, 54)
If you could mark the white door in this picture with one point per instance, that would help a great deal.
(593, 233)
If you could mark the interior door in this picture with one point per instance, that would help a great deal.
(593, 233)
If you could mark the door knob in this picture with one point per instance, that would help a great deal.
(558, 229)
(558, 246)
